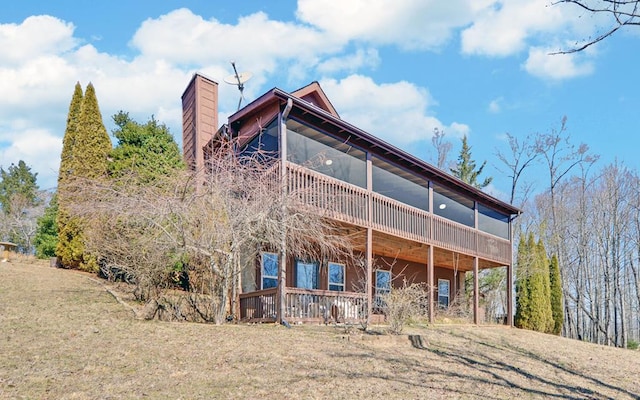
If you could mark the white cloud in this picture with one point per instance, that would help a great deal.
(36, 36)
(396, 112)
(39, 148)
(506, 28)
(256, 42)
(409, 24)
(351, 62)
(495, 105)
(556, 67)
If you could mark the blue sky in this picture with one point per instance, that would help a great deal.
(475, 67)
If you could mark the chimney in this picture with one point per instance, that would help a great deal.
(199, 119)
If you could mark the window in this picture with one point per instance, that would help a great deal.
(306, 274)
(443, 293)
(269, 270)
(336, 277)
(265, 144)
(382, 288)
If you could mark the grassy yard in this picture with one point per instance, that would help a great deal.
(63, 336)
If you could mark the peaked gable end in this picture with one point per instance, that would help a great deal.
(314, 94)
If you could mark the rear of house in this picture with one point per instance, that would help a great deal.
(409, 221)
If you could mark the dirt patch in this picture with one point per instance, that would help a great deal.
(63, 336)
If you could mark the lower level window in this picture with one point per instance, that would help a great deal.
(443, 292)
(269, 270)
(382, 288)
(336, 277)
(306, 275)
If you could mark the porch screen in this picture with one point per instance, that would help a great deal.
(453, 206)
(322, 153)
(400, 185)
(493, 222)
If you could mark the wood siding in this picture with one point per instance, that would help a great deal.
(199, 119)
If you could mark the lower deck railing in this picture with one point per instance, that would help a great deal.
(259, 305)
(304, 305)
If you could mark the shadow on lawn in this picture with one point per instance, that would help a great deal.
(496, 369)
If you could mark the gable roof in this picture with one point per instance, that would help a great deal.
(314, 94)
(324, 112)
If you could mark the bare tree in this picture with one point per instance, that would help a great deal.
(20, 223)
(442, 148)
(522, 156)
(621, 12)
(205, 231)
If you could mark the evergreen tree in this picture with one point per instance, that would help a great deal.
(146, 150)
(523, 307)
(546, 312)
(46, 237)
(69, 139)
(92, 144)
(17, 180)
(68, 248)
(465, 168)
(556, 295)
(536, 289)
(89, 148)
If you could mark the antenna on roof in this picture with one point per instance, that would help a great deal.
(238, 79)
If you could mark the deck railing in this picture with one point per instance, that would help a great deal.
(304, 305)
(259, 305)
(307, 305)
(350, 203)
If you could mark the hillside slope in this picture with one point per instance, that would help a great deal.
(62, 336)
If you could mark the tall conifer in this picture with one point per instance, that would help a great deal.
(546, 311)
(67, 248)
(523, 308)
(556, 295)
(86, 157)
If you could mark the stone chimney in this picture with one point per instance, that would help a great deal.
(199, 119)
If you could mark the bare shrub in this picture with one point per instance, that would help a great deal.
(201, 225)
(405, 304)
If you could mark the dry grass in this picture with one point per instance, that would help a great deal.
(62, 336)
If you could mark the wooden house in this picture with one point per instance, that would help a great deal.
(408, 212)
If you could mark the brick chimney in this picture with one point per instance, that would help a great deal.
(199, 118)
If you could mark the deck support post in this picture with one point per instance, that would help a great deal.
(281, 306)
(368, 280)
(430, 284)
(509, 295)
(476, 292)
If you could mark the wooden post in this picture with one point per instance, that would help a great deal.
(476, 292)
(369, 245)
(509, 295)
(430, 283)
(282, 265)
(369, 281)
